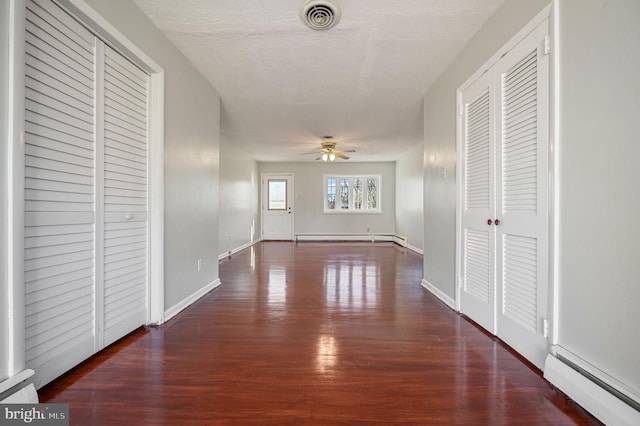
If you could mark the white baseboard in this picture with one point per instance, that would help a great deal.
(404, 242)
(237, 249)
(400, 240)
(439, 294)
(180, 306)
(416, 249)
(594, 398)
(342, 237)
(352, 237)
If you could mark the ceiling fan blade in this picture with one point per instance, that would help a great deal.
(341, 155)
(319, 158)
(312, 152)
(347, 150)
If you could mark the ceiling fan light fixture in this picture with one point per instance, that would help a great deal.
(325, 156)
(332, 156)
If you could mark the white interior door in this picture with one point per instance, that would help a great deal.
(125, 183)
(504, 204)
(277, 207)
(60, 191)
(86, 193)
(522, 201)
(477, 295)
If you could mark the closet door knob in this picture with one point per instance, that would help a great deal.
(489, 222)
(497, 222)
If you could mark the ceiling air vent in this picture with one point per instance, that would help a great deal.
(320, 14)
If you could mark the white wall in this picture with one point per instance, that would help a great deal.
(409, 199)
(239, 194)
(192, 128)
(599, 148)
(440, 139)
(4, 189)
(308, 197)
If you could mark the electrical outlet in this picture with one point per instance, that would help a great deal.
(199, 265)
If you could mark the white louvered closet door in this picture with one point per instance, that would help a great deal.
(125, 197)
(477, 296)
(522, 201)
(504, 198)
(59, 191)
(85, 193)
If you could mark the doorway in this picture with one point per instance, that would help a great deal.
(277, 206)
(503, 206)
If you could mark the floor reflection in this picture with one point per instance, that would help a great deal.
(351, 285)
(276, 291)
(326, 354)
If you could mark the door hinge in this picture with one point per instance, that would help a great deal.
(460, 110)
(545, 327)
(547, 45)
(459, 281)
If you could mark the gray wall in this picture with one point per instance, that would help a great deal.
(309, 216)
(192, 128)
(4, 146)
(440, 139)
(239, 194)
(599, 268)
(409, 200)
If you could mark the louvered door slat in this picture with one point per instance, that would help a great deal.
(59, 191)
(83, 119)
(126, 159)
(131, 87)
(477, 153)
(520, 280)
(477, 264)
(520, 161)
(118, 96)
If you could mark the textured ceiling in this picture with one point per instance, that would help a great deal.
(283, 86)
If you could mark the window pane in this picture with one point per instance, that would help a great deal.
(331, 193)
(344, 194)
(277, 194)
(357, 194)
(372, 193)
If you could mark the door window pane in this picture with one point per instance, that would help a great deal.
(277, 194)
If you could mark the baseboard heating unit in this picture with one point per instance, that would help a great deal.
(604, 397)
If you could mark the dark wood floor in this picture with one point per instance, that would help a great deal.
(314, 333)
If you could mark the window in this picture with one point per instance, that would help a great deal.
(352, 194)
(277, 194)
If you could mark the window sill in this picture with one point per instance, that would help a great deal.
(350, 212)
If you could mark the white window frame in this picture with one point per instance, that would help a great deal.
(351, 209)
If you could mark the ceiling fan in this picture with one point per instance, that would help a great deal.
(328, 151)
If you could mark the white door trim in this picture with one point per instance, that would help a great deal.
(15, 169)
